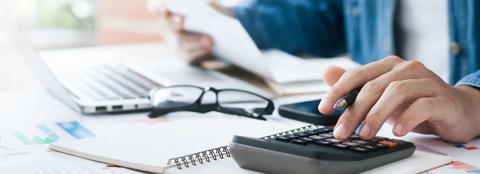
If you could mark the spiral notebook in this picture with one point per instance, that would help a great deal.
(199, 146)
(169, 146)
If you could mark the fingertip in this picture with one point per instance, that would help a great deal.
(326, 105)
(332, 74)
(398, 130)
(339, 131)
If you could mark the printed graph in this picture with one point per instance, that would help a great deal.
(43, 136)
(53, 132)
(75, 129)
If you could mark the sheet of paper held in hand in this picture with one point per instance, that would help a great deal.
(233, 43)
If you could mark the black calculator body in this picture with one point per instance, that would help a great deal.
(314, 150)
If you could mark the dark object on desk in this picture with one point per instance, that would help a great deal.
(312, 149)
(308, 112)
(192, 98)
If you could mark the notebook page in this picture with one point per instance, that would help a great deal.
(148, 148)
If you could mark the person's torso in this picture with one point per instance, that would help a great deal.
(370, 30)
(421, 30)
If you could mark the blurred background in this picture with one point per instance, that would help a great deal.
(53, 24)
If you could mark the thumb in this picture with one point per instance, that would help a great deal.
(332, 74)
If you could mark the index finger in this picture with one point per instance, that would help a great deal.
(354, 79)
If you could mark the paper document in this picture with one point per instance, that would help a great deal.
(468, 153)
(56, 163)
(234, 44)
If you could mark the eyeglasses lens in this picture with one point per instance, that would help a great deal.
(176, 97)
(242, 101)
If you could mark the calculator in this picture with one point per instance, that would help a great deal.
(313, 149)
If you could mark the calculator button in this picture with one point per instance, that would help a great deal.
(281, 138)
(333, 140)
(323, 130)
(389, 143)
(323, 142)
(340, 146)
(377, 139)
(306, 139)
(351, 144)
(301, 134)
(381, 146)
(326, 135)
(310, 132)
(317, 137)
(359, 149)
(297, 141)
(369, 147)
(360, 141)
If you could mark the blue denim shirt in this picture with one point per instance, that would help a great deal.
(362, 28)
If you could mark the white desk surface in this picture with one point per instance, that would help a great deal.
(24, 100)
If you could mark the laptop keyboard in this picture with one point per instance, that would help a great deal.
(110, 82)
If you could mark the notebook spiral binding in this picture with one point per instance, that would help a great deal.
(200, 157)
(223, 152)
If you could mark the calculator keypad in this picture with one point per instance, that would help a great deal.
(324, 137)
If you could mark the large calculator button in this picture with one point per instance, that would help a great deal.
(389, 143)
(323, 142)
(359, 149)
(296, 141)
(340, 146)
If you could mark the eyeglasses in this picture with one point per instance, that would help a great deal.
(196, 99)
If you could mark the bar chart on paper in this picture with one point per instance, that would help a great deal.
(47, 133)
(26, 138)
(39, 135)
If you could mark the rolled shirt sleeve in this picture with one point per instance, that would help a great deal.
(472, 79)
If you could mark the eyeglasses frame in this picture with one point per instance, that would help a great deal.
(198, 107)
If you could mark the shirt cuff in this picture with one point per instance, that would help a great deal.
(472, 80)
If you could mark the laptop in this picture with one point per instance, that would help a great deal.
(110, 87)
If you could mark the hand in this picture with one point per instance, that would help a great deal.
(405, 94)
(194, 47)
